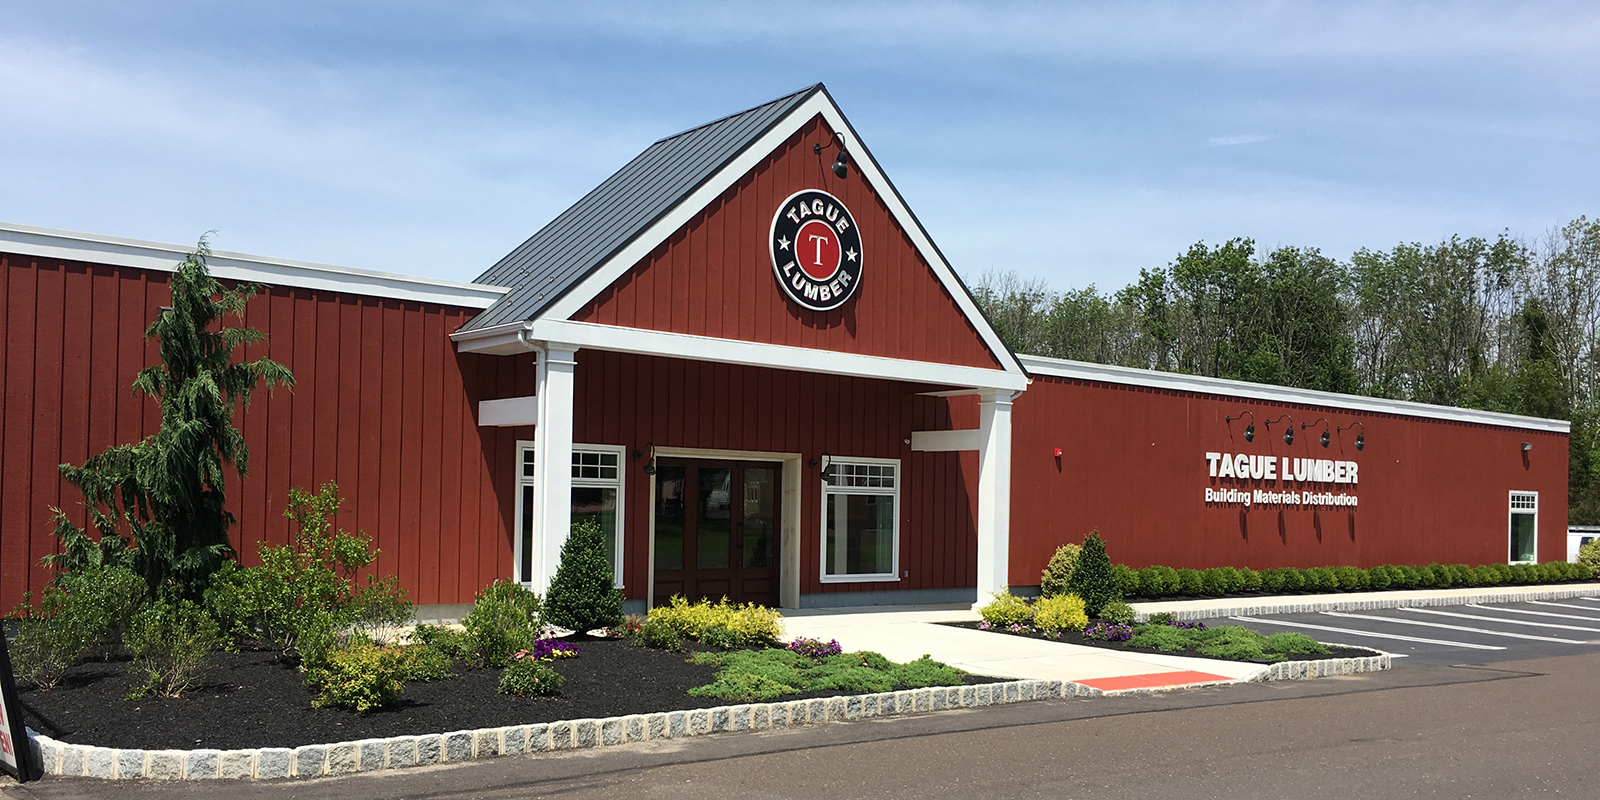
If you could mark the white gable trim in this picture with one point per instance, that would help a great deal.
(865, 166)
(26, 240)
(1106, 373)
(522, 337)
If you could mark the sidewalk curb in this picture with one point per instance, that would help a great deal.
(399, 752)
(1359, 601)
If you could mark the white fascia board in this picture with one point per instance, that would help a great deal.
(756, 354)
(947, 441)
(608, 272)
(95, 249)
(1106, 373)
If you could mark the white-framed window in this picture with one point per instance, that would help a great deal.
(597, 493)
(1524, 528)
(524, 516)
(861, 520)
(598, 473)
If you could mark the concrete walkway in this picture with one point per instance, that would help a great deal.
(903, 633)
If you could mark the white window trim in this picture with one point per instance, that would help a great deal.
(822, 552)
(1511, 514)
(523, 446)
(620, 484)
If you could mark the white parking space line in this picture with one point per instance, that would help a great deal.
(1503, 620)
(1533, 613)
(1480, 631)
(1373, 634)
(1590, 599)
(1559, 605)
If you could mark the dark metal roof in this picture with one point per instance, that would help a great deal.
(574, 244)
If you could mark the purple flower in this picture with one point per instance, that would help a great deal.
(1109, 632)
(815, 648)
(549, 650)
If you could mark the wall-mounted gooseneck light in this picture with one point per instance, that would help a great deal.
(826, 461)
(1325, 438)
(1249, 430)
(1288, 430)
(650, 466)
(841, 162)
(1361, 438)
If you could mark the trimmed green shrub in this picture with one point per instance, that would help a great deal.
(1006, 609)
(52, 639)
(1190, 582)
(1118, 612)
(1092, 577)
(171, 643)
(505, 618)
(1127, 580)
(1249, 580)
(1231, 642)
(1062, 612)
(658, 635)
(583, 594)
(1158, 581)
(1351, 579)
(1215, 582)
(924, 672)
(1378, 578)
(751, 675)
(530, 677)
(1271, 580)
(360, 677)
(1320, 579)
(1053, 580)
(1293, 580)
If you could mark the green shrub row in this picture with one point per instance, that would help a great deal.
(760, 675)
(1159, 581)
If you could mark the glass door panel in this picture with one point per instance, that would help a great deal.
(760, 521)
(669, 517)
(714, 523)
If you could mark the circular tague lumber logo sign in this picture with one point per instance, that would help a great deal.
(816, 250)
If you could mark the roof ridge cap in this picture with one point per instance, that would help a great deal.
(813, 87)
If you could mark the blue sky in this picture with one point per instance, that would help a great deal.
(1072, 142)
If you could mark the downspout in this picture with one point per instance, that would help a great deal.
(534, 562)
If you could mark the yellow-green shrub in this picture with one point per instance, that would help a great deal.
(1053, 580)
(1006, 609)
(751, 624)
(362, 677)
(1062, 612)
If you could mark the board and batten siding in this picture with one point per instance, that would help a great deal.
(382, 404)
(714, 276)
(1134, 468)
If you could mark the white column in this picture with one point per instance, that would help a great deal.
(552, 443)
(994, 493)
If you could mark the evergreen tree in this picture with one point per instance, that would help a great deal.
(1093, 578)
(169, 492)
(583, 594)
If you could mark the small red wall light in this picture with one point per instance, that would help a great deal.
(1057, 453)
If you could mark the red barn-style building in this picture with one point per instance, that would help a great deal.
(744, 357)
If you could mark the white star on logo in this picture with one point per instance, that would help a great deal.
(851, 254)
(783, 243)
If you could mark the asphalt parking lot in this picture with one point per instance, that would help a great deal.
(1450, 635)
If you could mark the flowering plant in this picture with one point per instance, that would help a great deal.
(547, 650)
(815, 648)
(1189, 626)
(1109, 632)
(984, 625)
(1019, 627)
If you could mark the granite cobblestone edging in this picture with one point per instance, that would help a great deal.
(1364, 601)
(399, 752)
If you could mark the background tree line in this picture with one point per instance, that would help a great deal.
(1505, 325)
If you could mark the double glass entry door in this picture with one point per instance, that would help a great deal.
(716, 531)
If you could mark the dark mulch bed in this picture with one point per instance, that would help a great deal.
(250, 699)
(1071, 637)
